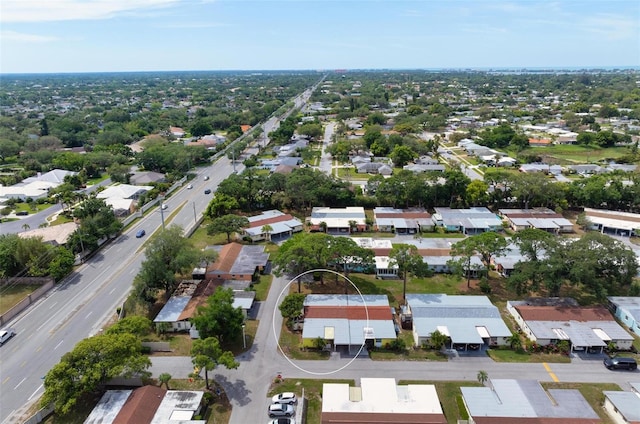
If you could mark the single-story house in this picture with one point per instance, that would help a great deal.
(147, 177)
(506, 161)
(585, 169)
(401, 221)
(613, 222)
(469, 221)
(56, 235)
(237, 262)
(627, 310)
(338, 220)
(351, 322)
(506, 262)
(469, 322)
(586, 329)
(540, 218)
(147, 405)
(374, 168)
(281, 226)
(623, 407)
(506, 401)
(176, 132)
(541, 167)
(36, 187)
(55, 176)
(381, 400)
(539, 142)
(191, 294)
(418, 168)
(123, 191)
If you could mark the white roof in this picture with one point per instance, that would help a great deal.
(381, 395)
(622, 220)
(55, 233)
(118, 203)
(123, 191)
(338, 217)
(185, 401)
(370, 243)
(108, 407)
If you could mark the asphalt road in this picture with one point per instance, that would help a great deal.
(79, 306)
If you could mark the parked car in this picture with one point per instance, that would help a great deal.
(207, 191)
(283, 421)
(280, 410)
(6, 334)
(22, 213)
(140, 233)
(285, 397)
(620, 363)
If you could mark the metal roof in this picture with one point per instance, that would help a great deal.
(348, 332)
(627, 404)
(108, 407)
(342, 300)
(172, 309)
(525, 399)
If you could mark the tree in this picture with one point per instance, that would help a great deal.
(207, 353)
(168, 253)
(91, 363)
(266, 231)
(407, 259)
(482, 377)
(164, 378)
(220, 205)
(402, 155)
(345, 254)
(515, 342)
(291, 306)
(461, 262)
(302, 252)
(477, 193)
(134, 324)
(62, 263)
(218, 318)
(227, 224)
(437, 339)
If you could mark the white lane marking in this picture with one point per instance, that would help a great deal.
(50, 307)
(58, 345)
(37, 390)
(89, 314)
(21, 381)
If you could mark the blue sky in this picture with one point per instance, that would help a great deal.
(160, 35)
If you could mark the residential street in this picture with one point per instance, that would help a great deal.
(247, 386)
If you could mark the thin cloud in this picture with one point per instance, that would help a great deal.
(13, 11)
(612, 27)
(193, 25)
(27, 38)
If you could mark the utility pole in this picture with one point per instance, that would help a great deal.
(162, 213)
(195, 219)
(233, 160)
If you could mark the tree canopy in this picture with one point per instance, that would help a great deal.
(218, 318)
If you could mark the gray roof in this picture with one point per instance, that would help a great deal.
(243, 299)
(581, 333)
(277, 227)
(459, 315)
(469, 218)
(348, 332)
(342, 300)
(108, 407)
(525, 399)
(630, 304)
(627, 404)
(177, 401)
(172, 310)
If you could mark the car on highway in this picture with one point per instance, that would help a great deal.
(140, 233)
(283, 421)
(280, 410)
(620, 363)
(206, 177)
(190, 186)
(285, 397)
(164, 206)
(207, 191)
(6, 334)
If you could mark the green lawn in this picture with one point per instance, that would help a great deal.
(508, 355)
(26, 207)
(92, 181)
(568, 154)
(262, 287)
(291, 345)
(11, 295)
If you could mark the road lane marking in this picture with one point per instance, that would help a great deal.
(89, 314)
(112, 290)
(21, 381)
(5, 380)
(58, 345)
(23, 364)
(551, 374)
(50, 307)
(37, 390)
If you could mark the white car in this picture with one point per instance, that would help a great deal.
(190, 186)
(6, 334)
(285, 397)
(280, 410)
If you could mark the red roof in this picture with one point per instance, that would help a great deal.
(141, 406)
(563, 313)
(377, 313)
(262, 222)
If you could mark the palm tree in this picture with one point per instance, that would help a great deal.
(482, 376)
(25, 226)
(266, 231)
(164, 378)
(514, 341)
(438, 339)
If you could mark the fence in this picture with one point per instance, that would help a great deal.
(40, 416)
(24, 303)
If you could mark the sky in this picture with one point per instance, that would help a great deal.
(59, 36)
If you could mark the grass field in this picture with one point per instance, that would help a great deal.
(11, 295)
(572, 154)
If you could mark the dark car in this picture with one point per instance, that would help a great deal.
(22, 213)
(207, 191)
(620, 363)
(140, 233)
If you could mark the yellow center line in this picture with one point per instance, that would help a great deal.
(6, 379)
(552, 375)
